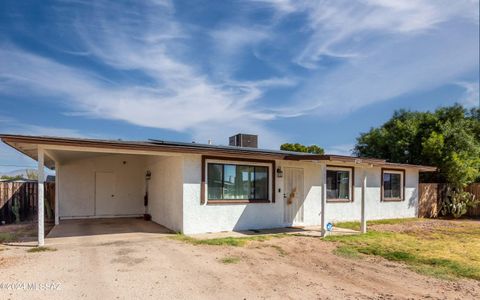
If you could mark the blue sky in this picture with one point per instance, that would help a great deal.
(314, 72)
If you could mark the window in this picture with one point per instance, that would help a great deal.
(339, 184)
(237, 182)
(392, 185)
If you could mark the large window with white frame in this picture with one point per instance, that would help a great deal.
(339, 184)
(393, 185)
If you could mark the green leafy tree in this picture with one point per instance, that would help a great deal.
(6, 177)
(314, 149)
(448, 138)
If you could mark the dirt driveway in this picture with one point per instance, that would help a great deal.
(127, 265)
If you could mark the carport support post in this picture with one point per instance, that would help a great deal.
(41, 195)
(363, 221)
(57, 188)
(323, 171)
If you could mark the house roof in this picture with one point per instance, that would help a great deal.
(28, 145)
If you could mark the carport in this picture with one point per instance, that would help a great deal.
(105, 179)
(104, 230)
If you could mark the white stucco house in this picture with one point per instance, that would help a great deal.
(198, 188)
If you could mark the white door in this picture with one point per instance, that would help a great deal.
(105, 203)
(293, 196)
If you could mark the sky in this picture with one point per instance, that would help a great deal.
(313, 72)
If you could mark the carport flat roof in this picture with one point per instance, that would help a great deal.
(28, 145)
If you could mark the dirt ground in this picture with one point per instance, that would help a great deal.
(126, 266)
(426, 225)
(26, 231)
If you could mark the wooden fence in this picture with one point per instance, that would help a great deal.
(474, 189)
(18, 201)
(428, 200)
(430, 195)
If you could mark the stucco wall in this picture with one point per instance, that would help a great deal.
(165, 190)
(376, 209)
(77, 185)
(225, 217)
(198, 218)
(174, 194)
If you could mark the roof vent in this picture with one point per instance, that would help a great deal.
(244, 140)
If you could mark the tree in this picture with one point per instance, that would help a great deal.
(448, 138)
(314, 149)
(12, 178)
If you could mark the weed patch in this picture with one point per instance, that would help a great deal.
(40, 249)
(280, 250)
(230, 260)
(6, 237)
(227, 241)
(346, 251)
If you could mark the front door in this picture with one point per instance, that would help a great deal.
(293, 196)
(105, 194)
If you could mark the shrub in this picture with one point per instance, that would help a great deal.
(457, 203)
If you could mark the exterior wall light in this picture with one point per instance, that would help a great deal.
(279, 172)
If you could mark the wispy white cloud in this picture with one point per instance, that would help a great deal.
(176, 94)
(230, 42)
(13, 126)
(342, 149)
(11, 159)
(342, 28)
(471, 96)
(387, 49)
(396, 69)
(232, 39)
(382, 49)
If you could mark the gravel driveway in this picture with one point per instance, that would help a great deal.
(136, 260)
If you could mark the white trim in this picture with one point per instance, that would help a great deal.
(242, 163)
(350, 181)
(41, 197)
(57, 189)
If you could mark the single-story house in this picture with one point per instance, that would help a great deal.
(198, 188)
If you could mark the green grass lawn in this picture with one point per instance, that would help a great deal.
(356, 225)
(447, 251)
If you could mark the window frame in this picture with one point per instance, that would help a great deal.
(402, 185)
(351, 183)
(270, 164)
